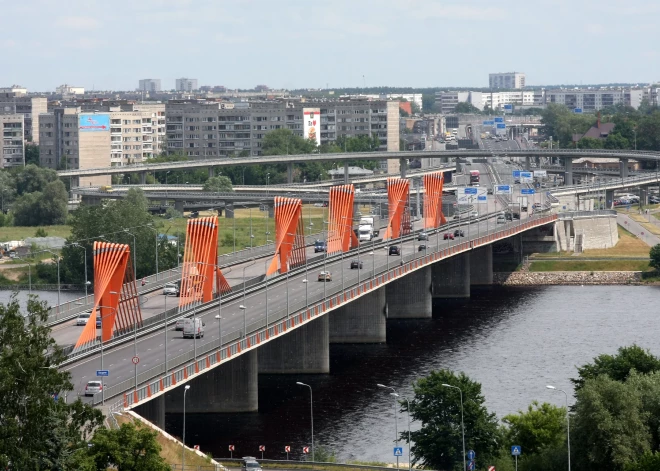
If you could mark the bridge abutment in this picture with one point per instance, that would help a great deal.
(303, 350)
(154, 411)
(360, 321)
(481, 266)
(231, 387)
(410, 296)
(451, 277)
(609, 199)
(346, 177)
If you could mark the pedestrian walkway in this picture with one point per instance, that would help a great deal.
(637, 229)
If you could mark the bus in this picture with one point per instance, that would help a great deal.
(474, 177)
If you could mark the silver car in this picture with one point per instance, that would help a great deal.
(83, 318)
(93, 387)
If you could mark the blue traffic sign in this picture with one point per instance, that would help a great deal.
(489, 123)
(577, 110)
(470, 191)
(102, 373)
(471, 454)
(508, 107)
(502, 189)
(516, 174)
(527, 191)
(398, 451)
(501, 126)
(499, 119)
(471, 465)
(482, 198)
(516, 450)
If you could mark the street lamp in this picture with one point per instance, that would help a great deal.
(242, 306)
(58, 277)
(103, 317)
(568, 425)
(311, 412)
(409, 440)
(462, 422)
(87, 283)
(396, 427)
(183, 442)
(151, 226)
(134, 254)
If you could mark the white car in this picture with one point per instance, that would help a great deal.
(83, 318)
(170, 290)
(93, 387)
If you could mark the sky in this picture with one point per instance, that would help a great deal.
(111, 45)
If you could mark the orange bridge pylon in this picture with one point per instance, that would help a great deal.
(398, 193)
(115, 294)
(340, 222)
(289, 235)
(433, 216)
(200, 259)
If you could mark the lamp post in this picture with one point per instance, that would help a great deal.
(30, 275)
(396, 427)
(151, 226)
(409, 441)
(76, 244)
(103, 317)
(462, 422)
(242, 306)
(134, 254)
(58, 277)
(311, 412)
(183, 442)
(568, 425)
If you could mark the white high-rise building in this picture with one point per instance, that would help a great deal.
(149, 85)
(186, 85)
(507, 80)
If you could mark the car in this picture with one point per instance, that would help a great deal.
(536, 206)
(320, 246)
(467, 162)
(356, 264)
(459, 233)
(83, 318)
(170, 290)
(93, 387)
(250, 463)
(98, 322)
(325, 276)
(448, 236)
(475, 214)
(394, 250)
(501, 219)
(179, 324)
(193, 214)
(422, 236)
(508, 216)
(421, 248)
(489, 191)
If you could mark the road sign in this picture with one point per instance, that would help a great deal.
(489, 123)
(491, 468)
(231, 448)
(305, 449)
(482, 199)
(471, 454)
(526, 177)
(501, 126)
(508, 107)
(498, 119)
(102, 373)
(527, 191)
(516, 174)
(262, 448)
(469, 191)
(516, 450)
(469, 194)
(577, 110)
(287, 449)
(135, 360)
(502, 189)
(471, 465)
(540, 173)
(196, 447)
(398, 451)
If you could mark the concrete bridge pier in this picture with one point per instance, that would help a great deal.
(231, 387)
(644, 195)
(211, 172)
(609, 199)
(303, 350)
(346, 173)
(528, 161)
(568, 171)
(360, 321)
(459, 167)
(403, 165)
(481, 266)
(623, 168)
(143, 178)
(451, 277)
(154, 411)
(410, 297)
(271, 211)
(178, 205)
(289, 172)
(229, 210)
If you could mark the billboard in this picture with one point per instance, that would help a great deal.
(312, 124)
(499, 119)
(93, 122)
(577, 110)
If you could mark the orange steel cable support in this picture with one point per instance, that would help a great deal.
(398, 192)
(340, 221)
(200, 259)
(433, 216)
(289, 235)
(115, 294)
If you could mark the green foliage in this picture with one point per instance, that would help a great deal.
(31, 178)
(36, 430)
(428, 103)
(562, 123)
(47, 208)
(438, 443)
(540, 427)
(403, 113)
(590, 143)
(324, 455)
(466, 108)
(654, 255)
(285, 142)
(218, 184)
(648, 462)
(616, 141)
(31, 154)
(41, 232)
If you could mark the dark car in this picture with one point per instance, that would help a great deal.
(489, 191)
(448, 236)
(508, 216)
(421, 248)
(356, 264)
(320, 246)
(394, 250)
(422, 236)
(98, 321)
(459, 233)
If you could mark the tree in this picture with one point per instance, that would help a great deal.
(38, 429)
(539, 428)
(438, 443)
(616, 141)
(218, 185)
(414, 107)
(26, 210)
(590, 143)
(466, 108)
(618, 367)
(648, 462)
(32, 178)
(47, 208)
(428, 103)
(31, 154)
(654, 255)
(285, 142)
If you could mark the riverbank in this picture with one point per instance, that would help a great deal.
(521, 278)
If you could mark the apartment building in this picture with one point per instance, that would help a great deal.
(591, 100)
(149, 85)
(12, 102)
(508, 80)
(12, 146)
(67, 89)
(447, 101)
(207, 129)
(185, 85)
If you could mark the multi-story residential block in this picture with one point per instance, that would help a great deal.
(149, 85)
(186, 85)
(29, 107)
(12, 146)
(590, 100)
(506, 80)
(67, 89)
(14, 90)
(447, 101)
(206, 129)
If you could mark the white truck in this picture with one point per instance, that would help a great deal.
(368, 228)
(193, 328)
(523, 203)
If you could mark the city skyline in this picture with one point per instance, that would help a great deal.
(287, 46)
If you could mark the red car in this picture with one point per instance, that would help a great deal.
(448, 236)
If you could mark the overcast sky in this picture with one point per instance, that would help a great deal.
(111, 44)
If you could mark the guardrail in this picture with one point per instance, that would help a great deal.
(587, 214)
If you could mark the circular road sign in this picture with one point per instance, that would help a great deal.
(135, 360)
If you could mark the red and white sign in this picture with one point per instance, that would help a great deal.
(135, 360)
(305, 449)
(196, 447)
(262, 448)
(287, 449)
(312, 124)
(231, 447)
(491, 468)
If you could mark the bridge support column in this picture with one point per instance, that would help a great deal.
(643, 195)
(178, 205)
(289, 172)
(418, 184)
(623, 168)
(451, 277)
(143, 178)
(229, 210)
(154, 411)
(403, 165)
(360, 321)
(345, 173)
(568, 171)
(459, 167)
(527, 163)
(304, 350)
(609, 199)
(231, 387)
(410, 297)
(356, 213)
(211, 172)
(271, 210)
(481, 266)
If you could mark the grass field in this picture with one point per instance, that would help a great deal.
(580, 265)
(21, 232)
(628, 246)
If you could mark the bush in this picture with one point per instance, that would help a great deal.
(41, 232)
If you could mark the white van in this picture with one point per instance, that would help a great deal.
(193, 328)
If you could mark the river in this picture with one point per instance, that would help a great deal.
(49, 296)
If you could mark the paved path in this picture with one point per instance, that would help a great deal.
(636, 228)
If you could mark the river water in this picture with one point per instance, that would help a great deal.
(49, 296)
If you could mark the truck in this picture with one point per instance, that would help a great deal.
(193, 328)
(368, 228)
(523, 203)
(474, 177)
